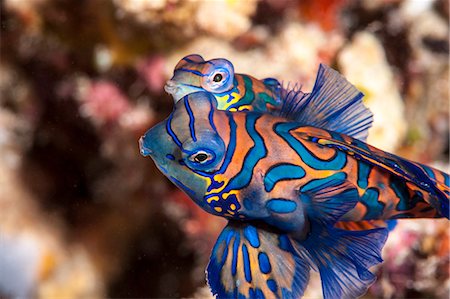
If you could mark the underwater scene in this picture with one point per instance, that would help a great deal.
(224, 149)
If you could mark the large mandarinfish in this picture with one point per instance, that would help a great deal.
(284, 187)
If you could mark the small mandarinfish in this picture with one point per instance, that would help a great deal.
(332, 101)
(285, 186)
(234, 92)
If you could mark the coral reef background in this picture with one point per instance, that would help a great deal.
(83, 215)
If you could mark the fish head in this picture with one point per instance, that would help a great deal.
(186, 148)
(193, 73)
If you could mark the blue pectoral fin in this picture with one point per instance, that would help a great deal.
(334, 104)
(252, 262)
(329, 200)
(391, 224)
(343, 258)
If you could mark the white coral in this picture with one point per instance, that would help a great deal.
(363, 63)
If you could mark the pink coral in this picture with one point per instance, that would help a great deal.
(152, 71)
(104, 103)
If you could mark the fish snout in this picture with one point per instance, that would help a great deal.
(144, 149)
(171, 87)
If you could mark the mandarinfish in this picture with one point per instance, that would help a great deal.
(284, 187)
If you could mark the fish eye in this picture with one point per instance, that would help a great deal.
(217, 77)
(201, 157)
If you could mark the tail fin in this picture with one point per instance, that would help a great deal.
(430, 184)
(440, 178)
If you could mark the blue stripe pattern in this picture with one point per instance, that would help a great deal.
(363, 174)
(257, 152)
(282, 172)
(340, 176)
(251, 235)
(264, 263)
(336, 163)
(247, 269)
(281, 205)
(235, 255)
(191, 119)
(191, 71)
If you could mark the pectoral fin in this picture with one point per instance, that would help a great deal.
(342, 257)
(252, 262)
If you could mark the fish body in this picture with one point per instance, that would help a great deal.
(262, 157)
(285, 187)
(233, 92)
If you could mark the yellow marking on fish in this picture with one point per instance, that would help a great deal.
(325, 142)
(361, 191)
(325, 174)
(225, 195)
(231, 212)
(213, 198)
(218, 209)
(224, 99)
(233, 206)
(248, 107)
(219, 178)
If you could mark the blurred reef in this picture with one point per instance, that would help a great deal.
(84, 215)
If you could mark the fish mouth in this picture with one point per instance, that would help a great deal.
(179, 90)
(145, 151)
(171, 87)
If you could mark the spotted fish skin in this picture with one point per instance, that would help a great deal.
(233, 92)
(254, 168)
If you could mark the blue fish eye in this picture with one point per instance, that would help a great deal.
(219, 76)
(202, 157)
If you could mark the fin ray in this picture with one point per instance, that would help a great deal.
(343, 258)
(334, 104)
(331, 200)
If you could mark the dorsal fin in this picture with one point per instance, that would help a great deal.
(334, 104)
